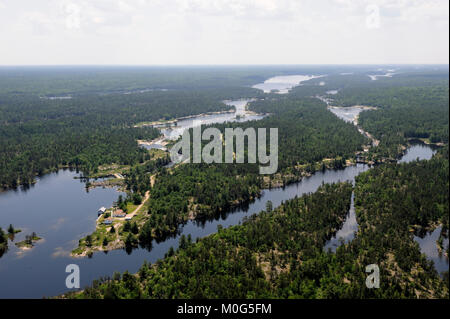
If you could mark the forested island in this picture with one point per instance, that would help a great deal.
(29, 241)
(49, 124)
(278, 253)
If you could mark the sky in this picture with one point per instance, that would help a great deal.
(197, 32)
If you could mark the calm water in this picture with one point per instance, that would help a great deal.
(386, 75)
(427, 243)
(58, 209)
(240, 115)
(173, 132)
(417, 151)
(282, 84)
(348, 114)
(348, 230)
(428, 247)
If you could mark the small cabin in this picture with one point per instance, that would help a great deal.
(108, 221)
(101, 210)
(119, 213)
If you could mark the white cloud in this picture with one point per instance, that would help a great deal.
(224, 31)
(38, 23)
(73, 16)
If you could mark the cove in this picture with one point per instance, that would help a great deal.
(58, 209)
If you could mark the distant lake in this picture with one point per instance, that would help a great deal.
(283, 83)
(59, 209)
(240, 115)
(348, 114)
(387, 74)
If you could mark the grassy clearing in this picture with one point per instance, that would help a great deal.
(104, 239)
(110, 170)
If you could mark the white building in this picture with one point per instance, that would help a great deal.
(101, 210)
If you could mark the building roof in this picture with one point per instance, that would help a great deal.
(102, 209)
(108, 221)
(119, 213)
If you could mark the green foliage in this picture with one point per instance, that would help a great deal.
(88, 240)
(229, 264)
(403, 113)
(127, 226)
(196, 190)
(39, 135)
(280, 254)
(307, 131)
(3, 238)
(3, 242)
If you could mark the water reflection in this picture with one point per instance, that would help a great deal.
(428, 246)
(348, 230)
(239, 115)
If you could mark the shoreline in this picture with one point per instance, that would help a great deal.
(163, 141)
(176, 120)
(281, 180)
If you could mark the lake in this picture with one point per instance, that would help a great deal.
(240, 115)
(427, 244)
(59, 209)
(347, 232)
(348, 114)
(283, 83)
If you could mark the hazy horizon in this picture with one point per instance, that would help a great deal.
(220, 65)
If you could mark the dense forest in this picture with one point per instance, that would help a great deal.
(279, 252)
(310, 138)
(411, 104)
(392, 203)
(237, 262)
(402, 113)
(69, 80)
(307, 131)
(86, 118)
(38, 135)
(416, 112)
(308, 134)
